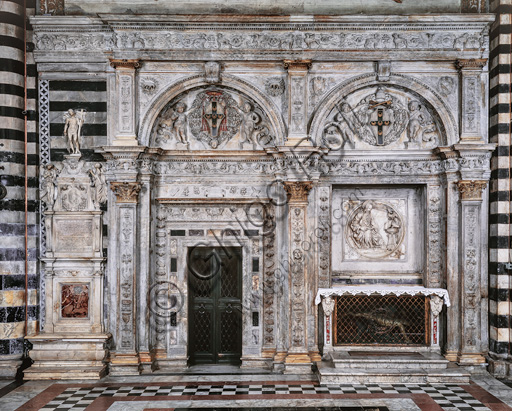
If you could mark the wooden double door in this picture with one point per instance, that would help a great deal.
(215, 305)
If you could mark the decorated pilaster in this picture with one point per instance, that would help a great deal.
(470, 350)
(472, 99)
(298, 359)
(125, 134)
(125, 359)
(297, 101)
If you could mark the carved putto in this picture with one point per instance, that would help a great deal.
(212, 118)
(381, 118)
(375, 230)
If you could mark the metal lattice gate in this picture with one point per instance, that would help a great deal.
(381, 320)
(215, 305)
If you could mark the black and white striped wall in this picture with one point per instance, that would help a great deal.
(500, 280)
(12, 176)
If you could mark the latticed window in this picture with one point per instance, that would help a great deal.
(381, 320)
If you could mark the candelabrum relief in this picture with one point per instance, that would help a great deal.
(375, 229)
(381, 116)
(212, 118)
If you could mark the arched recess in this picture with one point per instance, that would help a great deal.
(449, 135)
(268, 106)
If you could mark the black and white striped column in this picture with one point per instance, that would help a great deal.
(12, 176)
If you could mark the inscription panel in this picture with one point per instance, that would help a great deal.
(72, 236)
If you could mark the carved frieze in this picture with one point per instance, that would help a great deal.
(126, 192)
(275, 37)
(471, 189)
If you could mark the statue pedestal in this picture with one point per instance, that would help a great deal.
(67, 356)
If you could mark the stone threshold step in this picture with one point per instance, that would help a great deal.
(328, 374)
(344, 359)
(63, 373)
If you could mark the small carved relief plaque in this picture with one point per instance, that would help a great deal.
(75, 301)
(72, 236)
(375, 229)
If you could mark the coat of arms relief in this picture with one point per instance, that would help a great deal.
(213, 118)
(381, 117)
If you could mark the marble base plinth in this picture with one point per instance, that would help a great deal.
(298, 363)
(470, 359)
(124, 364)
(171, 364)
(67, 356)
(406, 361)
(9, 365)
(256, 362)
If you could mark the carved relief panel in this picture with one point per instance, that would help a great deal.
(377, 230)
(212, 118)
(382, 117)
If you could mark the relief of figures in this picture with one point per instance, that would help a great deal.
(75, 301)
(380, 118)
(375, 230)
(216, 119)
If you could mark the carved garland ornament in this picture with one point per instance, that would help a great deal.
(126, 192)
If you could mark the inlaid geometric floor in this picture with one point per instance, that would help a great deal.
(125, 396)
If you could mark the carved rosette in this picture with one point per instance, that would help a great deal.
(297, 191)
(269, 280)
(471, 189)
(126, 192)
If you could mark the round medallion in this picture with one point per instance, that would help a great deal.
(375, 230)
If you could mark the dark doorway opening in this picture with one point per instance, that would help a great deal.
(215, 305)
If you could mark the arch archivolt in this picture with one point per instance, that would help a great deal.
(363, 113)
(193, 114)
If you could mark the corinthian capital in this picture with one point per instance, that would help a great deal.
(471, 189)
(126, 192)
(297, 190)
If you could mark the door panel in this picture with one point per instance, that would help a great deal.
(215, 305)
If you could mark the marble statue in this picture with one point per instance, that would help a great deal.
(99, 195)
(73, 128)
(48, 189)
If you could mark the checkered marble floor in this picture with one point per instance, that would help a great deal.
(448, 396)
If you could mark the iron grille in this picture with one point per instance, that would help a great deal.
(382, 320)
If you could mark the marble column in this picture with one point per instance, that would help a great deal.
(472, 99)
(298, 359)
(297, 102)
(125, 359)
(125, 132)
(470, 350)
